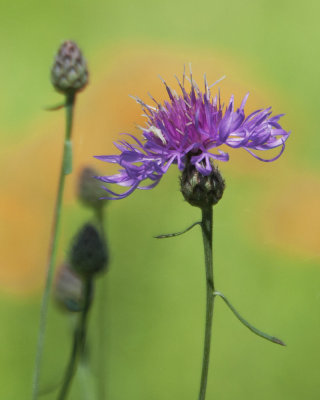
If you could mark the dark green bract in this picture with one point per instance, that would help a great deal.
(88, 253)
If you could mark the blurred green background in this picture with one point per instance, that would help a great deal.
(267, 228)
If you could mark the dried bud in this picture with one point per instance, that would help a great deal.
(200, 190)
(68, 289)
(88, 253)
(89, 189)
(69, 72)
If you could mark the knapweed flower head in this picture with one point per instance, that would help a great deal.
(190, 127)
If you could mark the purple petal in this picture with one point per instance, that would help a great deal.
(190, 126)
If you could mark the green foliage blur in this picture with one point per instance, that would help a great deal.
(154, 292)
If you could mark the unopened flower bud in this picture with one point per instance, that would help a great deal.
(200, 190)
(88, 254)
(69, 72)
(89, 189)
(68, 289)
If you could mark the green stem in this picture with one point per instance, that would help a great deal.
(102, 317)
(206, 226)
(78, 341)
(86, 381)
(99, 214)
(66, 167)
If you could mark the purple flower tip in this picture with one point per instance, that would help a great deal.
(192, 125)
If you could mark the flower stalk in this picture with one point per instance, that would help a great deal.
(66, 168)
(102, 301)
(89, 192)
(78, 341)
(206, 227)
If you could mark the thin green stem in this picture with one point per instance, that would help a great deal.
(102, 317)
(206, 226)
(78, 341)
(99, 214)
(66, 167)
(86, 381)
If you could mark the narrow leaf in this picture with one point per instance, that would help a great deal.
(169, 235)
(55, 107)
(246, 323)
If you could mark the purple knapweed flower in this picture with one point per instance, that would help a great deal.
(191, 126)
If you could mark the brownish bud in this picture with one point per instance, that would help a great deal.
(89, 189)
(69, 72)
(68, 289)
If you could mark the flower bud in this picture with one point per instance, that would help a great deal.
(88, 254)
(89, 190)
(68, 289)
(69, 72)
(200, 190)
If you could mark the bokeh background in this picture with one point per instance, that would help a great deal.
(267, 228)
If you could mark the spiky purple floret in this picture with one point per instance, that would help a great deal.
(190, 126)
